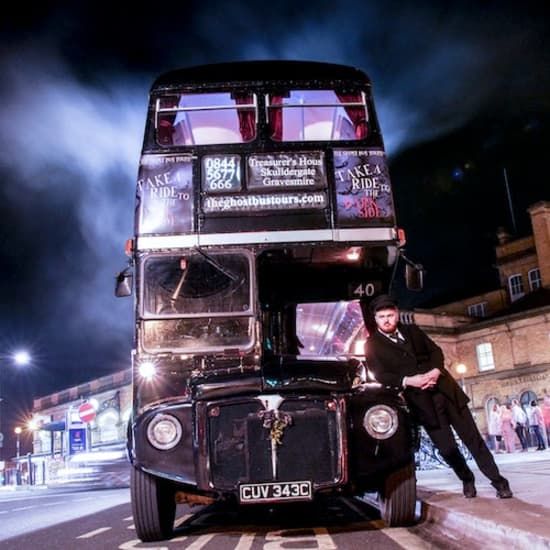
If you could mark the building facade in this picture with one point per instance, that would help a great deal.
(502, 337)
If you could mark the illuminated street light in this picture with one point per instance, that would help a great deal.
(20, 358)
(17, 432)
(461, 369)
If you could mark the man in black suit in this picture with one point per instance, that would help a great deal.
(403, 356)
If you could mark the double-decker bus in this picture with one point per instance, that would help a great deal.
(264, 220)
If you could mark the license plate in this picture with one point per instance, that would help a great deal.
(275, 492)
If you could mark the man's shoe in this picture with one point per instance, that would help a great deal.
(503, 488)
(469, 489)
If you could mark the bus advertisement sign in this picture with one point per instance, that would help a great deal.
(263, 202)
(363, 187)
(221, 173)
(165, 194)
(287, 171)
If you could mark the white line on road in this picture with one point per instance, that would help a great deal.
(402, 536)
(129, 518)
(201, 542)
(91, 534)
(245, 541)
(22, 508)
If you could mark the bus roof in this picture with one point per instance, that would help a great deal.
(254, 71)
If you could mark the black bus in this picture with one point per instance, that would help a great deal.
(264, 218)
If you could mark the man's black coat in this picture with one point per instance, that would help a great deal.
(390, 362)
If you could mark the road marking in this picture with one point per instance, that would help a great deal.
(245, 542)
(22, 508)
(405, 538)
(91, 534)
(137, 544)
(278, 540)
(129, 518)
(131, 526)
(201, 542)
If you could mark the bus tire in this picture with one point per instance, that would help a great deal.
(398, 497)
(153, 506)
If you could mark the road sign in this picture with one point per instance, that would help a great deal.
(86, 412)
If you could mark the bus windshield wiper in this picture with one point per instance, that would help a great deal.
(216, 265)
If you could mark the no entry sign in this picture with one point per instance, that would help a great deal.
(86, 412)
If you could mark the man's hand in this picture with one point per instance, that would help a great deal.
(423, 381)
(416, 381)
(430, 378)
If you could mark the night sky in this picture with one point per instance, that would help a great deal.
(461, 93)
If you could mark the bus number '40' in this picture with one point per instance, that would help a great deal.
(364, 289)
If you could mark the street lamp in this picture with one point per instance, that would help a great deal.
(18, 431)
(20, 358)
(461, 369)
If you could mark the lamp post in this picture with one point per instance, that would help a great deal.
(19, 358)
(461, 369)
(17, 432)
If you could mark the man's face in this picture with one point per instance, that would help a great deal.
(387, 319)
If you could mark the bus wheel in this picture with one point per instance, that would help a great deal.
(153, 506)
(398, 497)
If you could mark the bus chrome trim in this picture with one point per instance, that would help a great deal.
(370, 234)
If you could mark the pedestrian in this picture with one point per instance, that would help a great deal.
(546, 414)
(405, 358)
(520, 423)
(507, 427)
(536, 424)
(494, 428)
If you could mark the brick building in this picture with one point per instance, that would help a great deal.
(502, 336)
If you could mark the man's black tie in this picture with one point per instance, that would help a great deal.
(396, 338)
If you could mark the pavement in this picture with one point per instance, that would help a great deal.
(521, 522)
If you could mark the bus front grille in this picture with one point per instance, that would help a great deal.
(299, 441)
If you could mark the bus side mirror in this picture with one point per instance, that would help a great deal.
(124, 283)
(414, 277)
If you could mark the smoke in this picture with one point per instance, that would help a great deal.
(69, 157)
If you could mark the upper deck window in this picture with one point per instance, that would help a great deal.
(317, 115)
(204, 119)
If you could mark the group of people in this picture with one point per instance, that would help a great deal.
(406, 358)
(511, 425)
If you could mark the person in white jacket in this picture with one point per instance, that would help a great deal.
(495, 428)
(520, 421)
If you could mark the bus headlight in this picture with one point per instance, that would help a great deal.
(164, 432)
(380, 421)
(147, 370)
